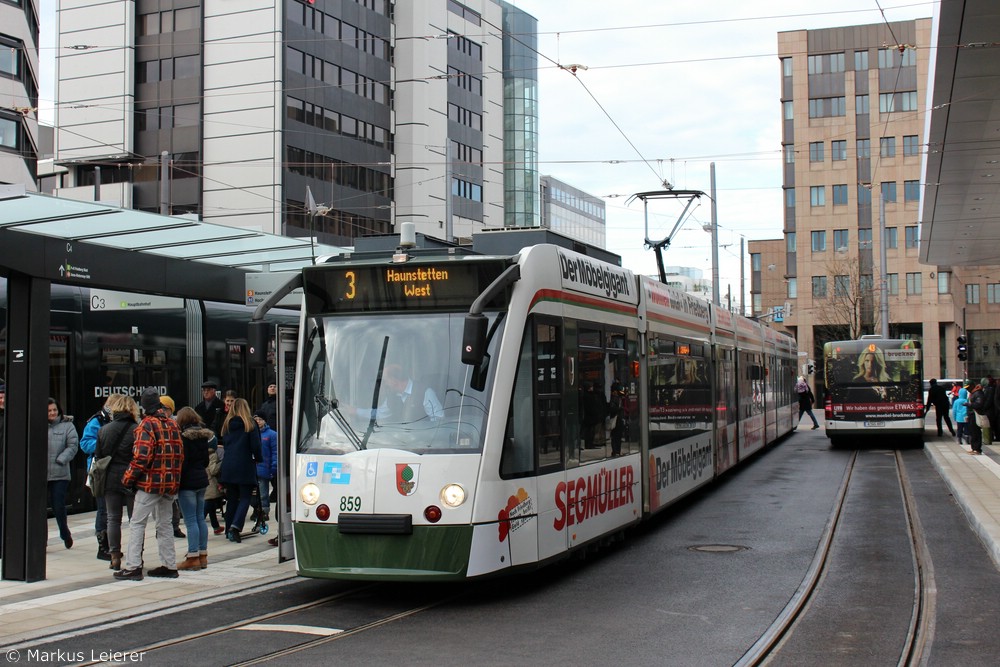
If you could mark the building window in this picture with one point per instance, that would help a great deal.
(818, 241)
(789, 154)
(466, 190)
(908, 57)
(972, 293)
(840, 195)
(826, 107)
(841, 285)
(463, 11)
(838, 150)
(864, 195)
(886, 58)
(788, 110)
(944, 282)
(10, 57)
(793, 288)
(890, 102)
(889, 191)
(992, 292)
(816, 151)
(815, 64)
(860, 60)
(866, 284)
(912, 239)
(755, 261)
(790, 197)
(911, 190)
(911, 145)
(819, 287)
(841, 238)
(864, 148)
(891, 238)
(865, 238)
(790, 242)
(786, 66)
(914, 284)
(817, 195)
(892, 283)
(861, 104)
(10, 132)
(887, 146)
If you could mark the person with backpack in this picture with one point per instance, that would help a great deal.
(806, 400)
(88, 444)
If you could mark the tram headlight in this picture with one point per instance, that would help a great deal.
(309, 494)
(453, 495)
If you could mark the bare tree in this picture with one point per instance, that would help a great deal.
(848, 311)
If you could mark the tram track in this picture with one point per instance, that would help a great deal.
(267, 621)
(920, 629)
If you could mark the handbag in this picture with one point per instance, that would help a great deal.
(98, 475)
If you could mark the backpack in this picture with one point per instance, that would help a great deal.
(977, 401)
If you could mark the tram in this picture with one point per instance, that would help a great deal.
(452, 412)
(102, 342)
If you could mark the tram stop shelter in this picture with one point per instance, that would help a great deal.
(46, 240)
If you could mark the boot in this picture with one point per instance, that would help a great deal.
(203, 559)
(190, 563)
(116, 560)
(102, 546)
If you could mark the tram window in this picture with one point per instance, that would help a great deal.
(517, 458)
(615, 340)
(590, 338)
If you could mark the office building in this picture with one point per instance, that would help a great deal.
(572, 212)
(19, 92)
(387, 112)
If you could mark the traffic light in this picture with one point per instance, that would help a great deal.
(963, 348)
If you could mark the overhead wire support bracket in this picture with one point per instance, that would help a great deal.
(658, 246)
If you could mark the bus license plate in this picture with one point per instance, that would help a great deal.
(874, 423)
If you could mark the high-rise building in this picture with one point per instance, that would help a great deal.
(19, 93)
(572, 212)
(388, 112)
(852, 102)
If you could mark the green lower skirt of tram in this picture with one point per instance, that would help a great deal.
(429, 553)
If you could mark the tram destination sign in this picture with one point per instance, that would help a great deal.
(394, 287)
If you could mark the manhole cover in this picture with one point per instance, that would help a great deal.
(718, 548)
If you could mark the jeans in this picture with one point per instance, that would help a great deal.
(145, 505)
(192, 502)
(101, 518)
(262, 491)
(57, 499)
(237, 504)
(115, 502)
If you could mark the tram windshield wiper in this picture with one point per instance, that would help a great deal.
(331, 407)
(376, 392)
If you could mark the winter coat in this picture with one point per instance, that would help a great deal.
(197, 442)
(267, 468)
(242, 453)
(937, 397)
(63, 446)
(115, 439)
(213, 469)
(157, 456)
(960, 407)
(269, 409)
(806, 399)
(212, 414)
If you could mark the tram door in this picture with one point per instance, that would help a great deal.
(286, 348)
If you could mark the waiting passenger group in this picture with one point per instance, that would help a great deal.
(141, 463)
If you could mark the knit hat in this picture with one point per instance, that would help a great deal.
(168, 403)
(150, 400)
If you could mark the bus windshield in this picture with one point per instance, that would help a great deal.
(874, 377)
(389, 381)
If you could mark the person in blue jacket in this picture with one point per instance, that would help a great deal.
(88, 443)
(267, 467)
(960, 411)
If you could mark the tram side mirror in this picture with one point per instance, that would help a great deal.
(474, 339)
(258, 338)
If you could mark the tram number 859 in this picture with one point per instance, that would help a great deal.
(350, 503)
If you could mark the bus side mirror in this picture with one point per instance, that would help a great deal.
(474, 339)
(258, 339)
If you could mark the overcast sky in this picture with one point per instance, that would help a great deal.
(670, 87)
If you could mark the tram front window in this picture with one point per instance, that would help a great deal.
(389, 382)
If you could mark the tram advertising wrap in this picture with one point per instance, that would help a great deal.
(463, 415)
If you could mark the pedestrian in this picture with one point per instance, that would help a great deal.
(211, 406)
(973, 419)
(594, 410)
(269, 407)
(938, 398)
(63, 446)
(154, 472)
(985, 423)
(267, 467)
(992, 411)
(806, 400)
(88, 443)
(214, 493)
(169, 407)
(617, 414)
(116, 439)
(960, 411)
(241, 440)
(197, 440)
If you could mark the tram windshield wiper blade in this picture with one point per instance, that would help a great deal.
(376, 392)
(332, 408)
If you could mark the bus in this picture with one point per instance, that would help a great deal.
(874, 387)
